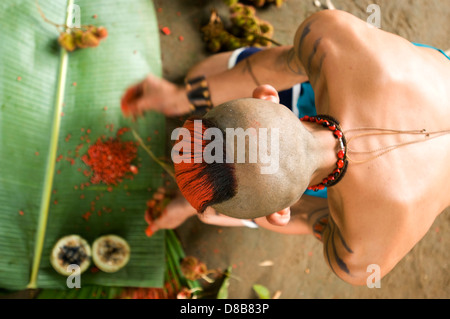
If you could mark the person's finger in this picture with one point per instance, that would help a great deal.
(129, 100)
(266, 92)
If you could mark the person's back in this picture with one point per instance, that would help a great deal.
(384, 91)
(394, 188)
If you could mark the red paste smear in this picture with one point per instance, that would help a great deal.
(110, 159)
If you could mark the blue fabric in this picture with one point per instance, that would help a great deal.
(305, 104)
(307, 101)
(430, 47)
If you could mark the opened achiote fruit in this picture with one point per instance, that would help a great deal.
(110, 253)
(70, 250)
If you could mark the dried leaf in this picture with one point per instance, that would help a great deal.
(277, 294)
(266, 263)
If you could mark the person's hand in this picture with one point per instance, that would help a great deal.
(172, 216)
(155, 94)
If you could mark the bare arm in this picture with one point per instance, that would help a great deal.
(276, 66)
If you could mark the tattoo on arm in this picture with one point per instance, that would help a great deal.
(310, 67)
(306, 30)
(248, 68)
(313, 53)
(326, 223)
(339, 261)
(292, 63)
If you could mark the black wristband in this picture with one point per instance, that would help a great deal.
(198, 94)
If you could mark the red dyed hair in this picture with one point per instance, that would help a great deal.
(202, 184)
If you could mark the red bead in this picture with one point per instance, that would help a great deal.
(332, 127)
(305, 118)
(341, 154)
(331, 178)
(340, 163)
(321, 187)
(338, 134)
(337, 170)
(325, 181)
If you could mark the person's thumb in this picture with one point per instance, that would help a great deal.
(151, 229)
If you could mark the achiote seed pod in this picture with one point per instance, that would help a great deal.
(85, 37)
(192, 268)
(259, 3)
(68, 253)
(246, 30)
(90, 39)
(102, 32)
(110, 253)
(231, 2)
(67, 41)
(78, 36)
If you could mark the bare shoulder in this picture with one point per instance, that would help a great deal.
(337, 39)
(320, 34)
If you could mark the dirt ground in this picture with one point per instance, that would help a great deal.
(299, 270)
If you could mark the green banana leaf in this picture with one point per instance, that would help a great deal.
(47, 97)
(174, 279)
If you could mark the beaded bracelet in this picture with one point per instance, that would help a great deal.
(198, 94)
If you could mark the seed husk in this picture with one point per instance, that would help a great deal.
(69, 250)
(110, 253)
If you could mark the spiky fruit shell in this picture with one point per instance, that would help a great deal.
(259, 3)
(89, 39)
(67, 41)
(110, 253)
(71, 249)
(102, 32)
(78, 36)
(279, 3)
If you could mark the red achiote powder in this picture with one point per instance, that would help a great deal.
(110, 159)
